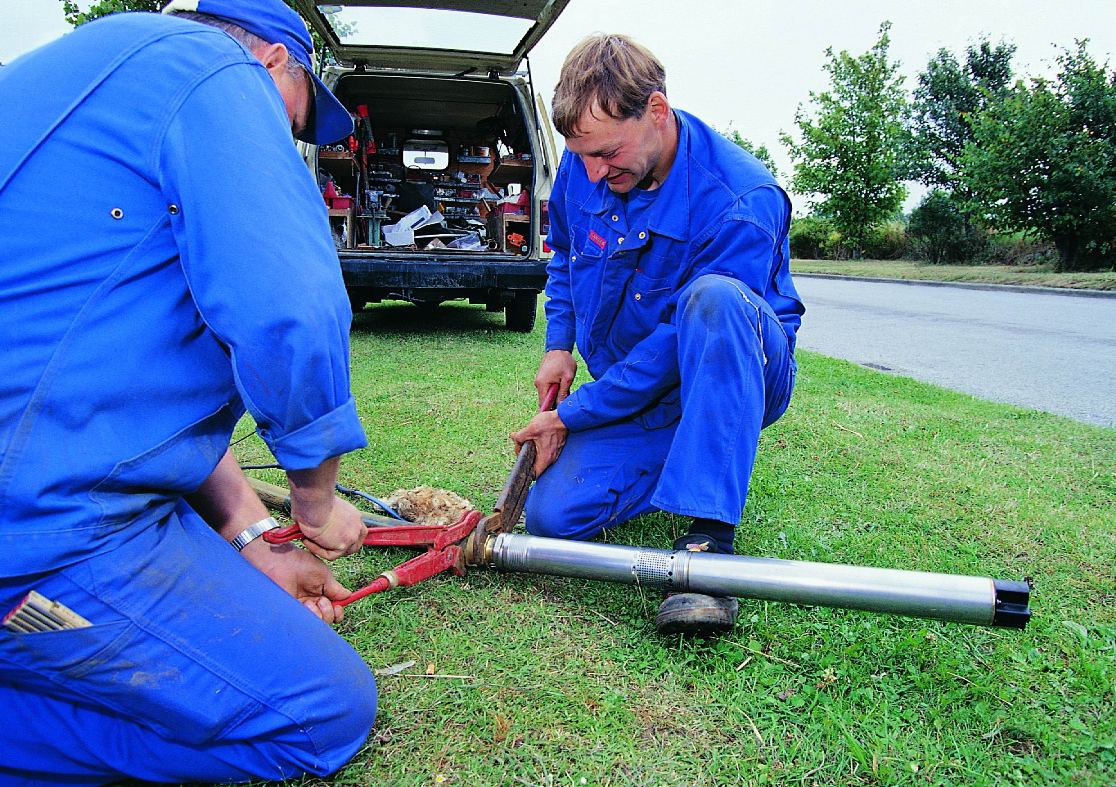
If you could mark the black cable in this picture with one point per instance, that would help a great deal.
(240, 439)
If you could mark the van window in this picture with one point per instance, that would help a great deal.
(425, 28)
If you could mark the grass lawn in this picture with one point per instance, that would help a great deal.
(1033, 275)
(564, 682)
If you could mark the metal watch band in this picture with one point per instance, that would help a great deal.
(254, 531)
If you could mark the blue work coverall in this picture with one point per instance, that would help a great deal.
(165, 263)
(686, 318)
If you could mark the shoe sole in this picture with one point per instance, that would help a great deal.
(696, 613)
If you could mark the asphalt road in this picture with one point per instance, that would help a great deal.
(1042, 351)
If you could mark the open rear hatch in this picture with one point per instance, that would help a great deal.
(451, 36)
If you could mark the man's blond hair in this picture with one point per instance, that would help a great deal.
(610, 71)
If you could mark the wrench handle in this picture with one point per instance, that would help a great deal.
(550, 400)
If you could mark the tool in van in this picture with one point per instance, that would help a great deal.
(486, 541)
(362, 144)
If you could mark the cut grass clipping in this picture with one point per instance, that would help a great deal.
(522, 679)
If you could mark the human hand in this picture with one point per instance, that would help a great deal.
(301, 574)
(330, 528)
(557, 366)
(548, 433)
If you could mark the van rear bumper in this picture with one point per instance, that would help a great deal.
(417, 273)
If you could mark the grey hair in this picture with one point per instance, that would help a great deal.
(251, 41)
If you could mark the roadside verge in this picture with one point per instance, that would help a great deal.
(966, 285)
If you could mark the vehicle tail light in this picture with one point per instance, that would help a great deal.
(544, 222)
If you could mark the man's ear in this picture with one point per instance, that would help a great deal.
(659, 107)
(273, 56)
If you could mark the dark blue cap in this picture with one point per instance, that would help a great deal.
(276, 23)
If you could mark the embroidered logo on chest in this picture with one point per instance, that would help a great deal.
(597, 239)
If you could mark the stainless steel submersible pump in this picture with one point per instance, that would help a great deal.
(960, 599)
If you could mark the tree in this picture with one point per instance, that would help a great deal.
(75, 16)
(1043, 161)
(948, 97)
(852, 153)
(759, 151)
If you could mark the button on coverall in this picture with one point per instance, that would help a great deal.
(165, 263)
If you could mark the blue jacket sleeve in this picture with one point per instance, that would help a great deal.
(560, 326)
(258, 259)
(738, 245)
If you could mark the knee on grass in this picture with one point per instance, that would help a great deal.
(337, 725)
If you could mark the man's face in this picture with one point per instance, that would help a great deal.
(293, 81)
(622, 152)
(297, 90)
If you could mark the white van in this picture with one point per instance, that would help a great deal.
(441, 192)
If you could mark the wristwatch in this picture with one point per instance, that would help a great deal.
(254, 531)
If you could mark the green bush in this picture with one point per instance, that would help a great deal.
(886, 241)
(813, 238)
(816, 238)
(1017, 250)
(941, 233)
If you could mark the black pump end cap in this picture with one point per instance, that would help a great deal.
(1012, 599)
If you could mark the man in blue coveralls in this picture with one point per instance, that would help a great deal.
(167, 263)
(671, 275)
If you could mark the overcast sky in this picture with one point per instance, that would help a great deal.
(749, 65)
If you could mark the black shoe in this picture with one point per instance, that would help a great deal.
(696, 614)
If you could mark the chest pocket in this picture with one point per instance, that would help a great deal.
(587, 267)
(650, 294)
(589, 243)
(646, 304)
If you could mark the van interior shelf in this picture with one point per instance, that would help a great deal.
(476, 146)
(511, 171)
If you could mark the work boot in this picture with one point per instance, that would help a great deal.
(696, 614)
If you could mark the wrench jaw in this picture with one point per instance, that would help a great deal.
(478, 546)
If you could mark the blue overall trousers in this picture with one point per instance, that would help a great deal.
(737, 375)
